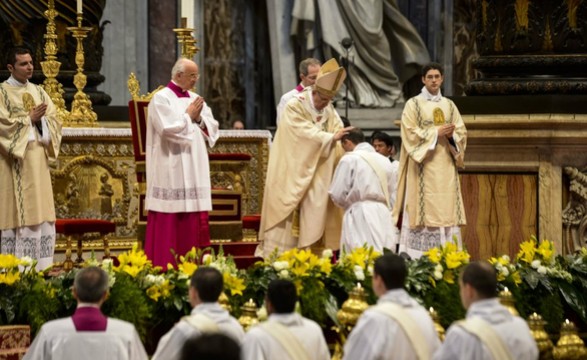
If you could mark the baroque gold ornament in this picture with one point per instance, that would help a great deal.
(436, 319)
(248, 316)
(536, 325)
(569, 346)
(507, 299)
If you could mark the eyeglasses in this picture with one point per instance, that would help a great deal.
(194, 76)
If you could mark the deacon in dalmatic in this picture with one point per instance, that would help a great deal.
(30, 137)
(434, 139)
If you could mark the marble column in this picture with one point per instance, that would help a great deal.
(162, 51)
(125, 48)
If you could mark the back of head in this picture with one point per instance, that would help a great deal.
(306, 63)
(208, 282)
(392, 269)
(355, 136)
(482, 277)
(432, 66)
(210, 346)
(12, 53)
(90, 284)
(283, 296)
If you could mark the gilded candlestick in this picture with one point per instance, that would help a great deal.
(81, 107)
(186, 41)
(51, 66)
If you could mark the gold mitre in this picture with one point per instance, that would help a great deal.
(330, 78)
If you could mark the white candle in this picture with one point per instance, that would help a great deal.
(80, 6)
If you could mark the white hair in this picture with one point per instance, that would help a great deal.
(178, 67)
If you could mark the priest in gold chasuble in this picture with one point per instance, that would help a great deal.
(30, 137)
(434, 139)
(297, 211)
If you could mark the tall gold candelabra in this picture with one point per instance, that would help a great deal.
(51, 66)
(186, 40)
(81, 107)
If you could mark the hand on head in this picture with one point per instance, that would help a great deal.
(38, 112)
(195, 108)
(342, 132)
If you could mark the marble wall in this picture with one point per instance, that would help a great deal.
(125, 47)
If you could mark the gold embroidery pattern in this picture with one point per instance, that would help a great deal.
(438, 117)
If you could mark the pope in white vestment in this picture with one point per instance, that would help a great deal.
(59, 340)
(363, 184)
(170, 345)
(178, 194)
(434, 139)
(297, 211)
(27, 147)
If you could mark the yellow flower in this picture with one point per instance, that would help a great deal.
(187, 268)
(455, 259)
(449, 277)
(546, 250)
(235, 284)
(516, 277)
(325, 266)
(132, 270)
(166, 288)
(9, 278)
(434, 255)
(527, 251)
(153, 292)
(8, 261)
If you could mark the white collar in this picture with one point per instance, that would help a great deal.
(12, 81)
(428, 96)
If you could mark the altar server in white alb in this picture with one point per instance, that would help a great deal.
(398, 327)
(363, 183)
(30, 136)
(88, 334)
(490, 331)
(178, 173)
(286, 335)
(207, 316)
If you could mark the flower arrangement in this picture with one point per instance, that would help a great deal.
(154, 299)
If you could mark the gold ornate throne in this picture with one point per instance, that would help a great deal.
(226, 171)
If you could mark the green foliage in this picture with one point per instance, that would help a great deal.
(446, 300)
(128, 302)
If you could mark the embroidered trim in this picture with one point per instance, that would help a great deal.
(180, 194)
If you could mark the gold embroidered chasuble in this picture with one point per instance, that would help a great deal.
(301, 165)
(25, 181)
(429, 173)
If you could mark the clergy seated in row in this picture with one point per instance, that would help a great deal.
(88, 334)
(286, 334)
(489, 331)
(207, 316)
(397, 327)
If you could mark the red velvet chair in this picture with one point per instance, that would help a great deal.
(75, 229)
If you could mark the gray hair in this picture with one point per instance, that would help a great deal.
(90, 284)
(178, 67)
